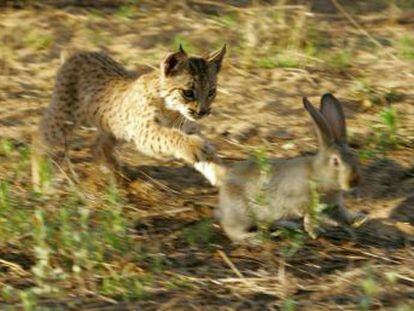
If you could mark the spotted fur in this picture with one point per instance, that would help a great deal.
(153, 110)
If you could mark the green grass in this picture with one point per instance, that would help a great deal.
(405, 47)
(286, 61)
(99, 37)
(125, 285)
(295, 240)
(405, 4)
(385, 136)
(390, 122)
(126, 12)
(289, 304)
(227, 20)
(6, 147)
(39, 41)
(370, 288)
(280, 60)
(340, 60)
(70, 242)
(363, 90)
(200, 233)
(185, 43)
(46, 175)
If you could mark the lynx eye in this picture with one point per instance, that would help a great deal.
(189, 94)
(212, 92)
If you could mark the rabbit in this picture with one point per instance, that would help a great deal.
(287, 186)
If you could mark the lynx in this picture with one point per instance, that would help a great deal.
(154, 111)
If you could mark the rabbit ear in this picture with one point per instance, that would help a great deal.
(332, 110)
(323, 130)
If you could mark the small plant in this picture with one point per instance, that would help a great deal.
(4, 195)
(340, 60)
(364, 91)
(405, 47)
(370, 288)
(280, 60)
(385, 134)
(187, 46)
(126, 12)
(266, 63)
(39, 41)
(114, 226)
(99, 37)
(46, 174)
(23, 163)
(389, 123)
(14, 222)
(201, 232)
(29, 300)
(96, 13)
(289, 305)
(6, 147)
(125, 285)
(295, 238)
(315, 207)
(45, 275)
(227, 20)
(367, 154)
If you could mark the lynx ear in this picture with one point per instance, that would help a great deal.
(216, 57)
(173, 62)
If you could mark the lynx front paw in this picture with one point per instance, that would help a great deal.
(196, 149)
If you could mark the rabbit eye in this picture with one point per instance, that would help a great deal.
(188, 94)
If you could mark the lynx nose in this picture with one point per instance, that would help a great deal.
(203, 112)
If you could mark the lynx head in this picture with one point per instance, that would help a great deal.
(188, 84)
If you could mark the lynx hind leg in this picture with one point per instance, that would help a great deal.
(51, 135)
(104, 153)
(234, 216)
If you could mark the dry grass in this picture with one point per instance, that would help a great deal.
(153, 243)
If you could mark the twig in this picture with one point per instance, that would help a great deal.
(362, 30)
(15, 267)
(232, 266)
(103, 298)
(160, 184)
(72, 184)
(248, 9)
(168, 212)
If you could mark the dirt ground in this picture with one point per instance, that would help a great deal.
(278, 52)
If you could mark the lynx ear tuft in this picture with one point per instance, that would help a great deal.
(216, 57)
(181, 49)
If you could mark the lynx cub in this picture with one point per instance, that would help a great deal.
(151, 110)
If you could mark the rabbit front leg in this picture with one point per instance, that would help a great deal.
(338, 212)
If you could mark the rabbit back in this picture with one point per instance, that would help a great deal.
(249, 195)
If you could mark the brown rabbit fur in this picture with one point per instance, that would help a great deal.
(287, 185)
